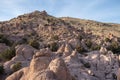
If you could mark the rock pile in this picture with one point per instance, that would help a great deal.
(48, 65)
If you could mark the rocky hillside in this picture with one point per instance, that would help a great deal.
(97, 28)
(38, 46)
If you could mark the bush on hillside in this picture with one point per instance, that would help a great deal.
(1, 69)
(4, 39)
(107, 40)
(88, 43)
(55, 37)
(114, 47)
(53, 46)
(95, 47)
(87, 65)
(17, 66)
(80, 37)
(34, 43)
(8, 54)
(80, 49)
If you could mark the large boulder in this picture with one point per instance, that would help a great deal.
(58, 66)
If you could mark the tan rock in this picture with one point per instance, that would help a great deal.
(59, 68)
(24, 54)
(103, 50)
(61, 49)
(67, 50)
(74, 42)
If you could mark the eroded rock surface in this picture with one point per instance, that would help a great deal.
(24, 54)
(46, 65)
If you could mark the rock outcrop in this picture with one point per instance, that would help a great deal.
(47, 65)
(43, 67)
(24, 54)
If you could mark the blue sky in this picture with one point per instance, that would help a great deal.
(100, 10)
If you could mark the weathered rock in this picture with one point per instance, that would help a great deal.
(74, 42)
(103, 50)
(59, 68)
(67, 50)
(24, 54)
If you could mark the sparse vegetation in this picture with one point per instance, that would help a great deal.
(3, 39)
(53, 46)
(87, 65)
(95, 47)
(34, 43)
(114, 47)
(107, 40)
(54, 37)
(88, 43)
(8, 54)
(80, 37)
(16, 66)
(80, 49)
(1, 69)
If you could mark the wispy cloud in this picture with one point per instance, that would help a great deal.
(100, 10)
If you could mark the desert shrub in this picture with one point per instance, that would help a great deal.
(4, 39)
(55, 37)
(1, 36)
(80, 49)
(95, 47)
(80, 37)
(114, 47)
(8, 54)
(107, 40)
(16, 66)
(34, 43)
(114, 76)
(88, 43)
(22, 41)
(87, 65)
(1, 69)
(53, 46)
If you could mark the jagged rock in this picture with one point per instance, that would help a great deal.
(74, 42)
(39, 64)
(46, 75)
(7, 66)
(103, 50)
(59, 68)
(67, 50)
(74, 54)
(44, 52)
(40, 69)
(18, 75)
(61, 49)
(84, 45)
(26, 51)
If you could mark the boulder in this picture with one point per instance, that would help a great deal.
(59, 68)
